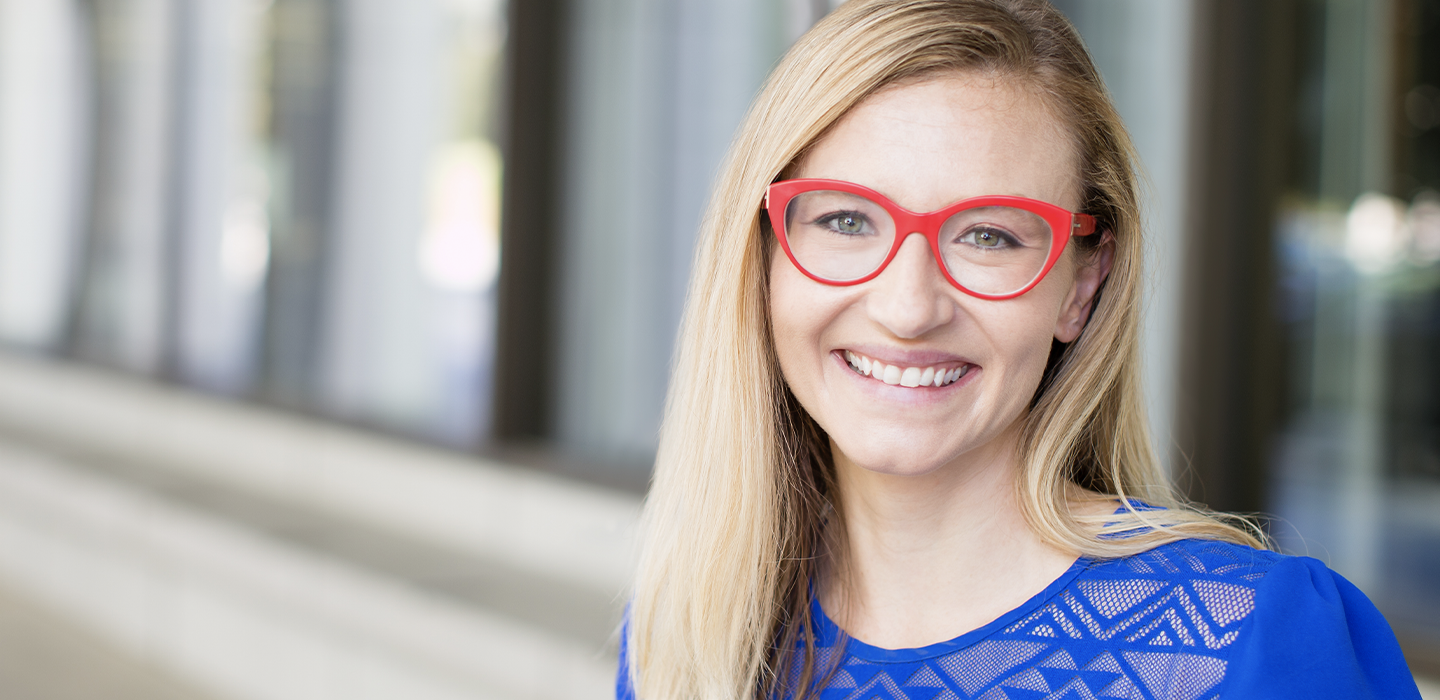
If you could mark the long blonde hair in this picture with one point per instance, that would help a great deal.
(743, 479)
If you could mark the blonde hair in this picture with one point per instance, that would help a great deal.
(743, 479)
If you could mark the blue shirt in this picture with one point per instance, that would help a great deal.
(1191, 620)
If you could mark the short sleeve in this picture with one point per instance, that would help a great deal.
(1314, 635)
(623, 688)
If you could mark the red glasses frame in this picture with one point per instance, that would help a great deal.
(1063, 224)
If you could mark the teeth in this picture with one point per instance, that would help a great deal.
(906, 377)
(910, 377)
(892, 375)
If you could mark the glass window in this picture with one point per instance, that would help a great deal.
(1357, 466)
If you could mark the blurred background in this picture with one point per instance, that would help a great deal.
(334, 334)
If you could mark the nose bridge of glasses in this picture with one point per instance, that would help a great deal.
(927, 226)
(928, 253)
(902, 224)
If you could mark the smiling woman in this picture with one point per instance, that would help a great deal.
(916, 466)
(945, 139)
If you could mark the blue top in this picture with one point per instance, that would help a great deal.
(1191, 620)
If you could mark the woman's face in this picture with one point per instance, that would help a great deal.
(926, 145)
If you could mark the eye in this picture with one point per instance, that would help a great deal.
(845, 222)
(988, 237)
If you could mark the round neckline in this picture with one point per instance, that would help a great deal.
(829, 631)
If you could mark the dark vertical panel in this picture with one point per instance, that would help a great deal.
(178, 172)
(304, 52)
(86, 257)
(115, 270)
(1412, 422)
(1231, 383)
(524, 358)
(1416, 129)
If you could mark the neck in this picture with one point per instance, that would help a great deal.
(924, 558)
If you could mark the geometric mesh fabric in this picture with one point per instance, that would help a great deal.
(1157, 625)
(1191, 620)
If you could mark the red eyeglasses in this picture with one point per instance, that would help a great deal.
(991, 247)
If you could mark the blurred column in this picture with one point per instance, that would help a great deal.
(1238, 152)
(656, 91)
(219, 205)
(408, 310)
(44, 128)
(1356, 156)
(121, 311)
(536, 56)
(302, 77)
(375, 312)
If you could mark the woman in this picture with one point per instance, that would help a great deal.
(916, 466)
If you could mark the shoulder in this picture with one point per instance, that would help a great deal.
(1228, 619)
(1314, 634)
(1205, 619)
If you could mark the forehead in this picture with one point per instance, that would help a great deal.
(932, 142)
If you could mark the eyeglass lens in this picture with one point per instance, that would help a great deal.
(843, 237)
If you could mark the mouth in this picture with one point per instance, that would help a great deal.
(934, 376)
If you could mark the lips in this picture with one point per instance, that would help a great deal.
(915, 377)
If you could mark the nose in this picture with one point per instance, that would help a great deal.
(911, 296)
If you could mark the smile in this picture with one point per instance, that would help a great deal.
(895, 375)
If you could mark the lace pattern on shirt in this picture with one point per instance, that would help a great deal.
(1156, 626)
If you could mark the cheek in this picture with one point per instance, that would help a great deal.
(791, 324)
(1023, 344)
(1024, 332)
(803, 315)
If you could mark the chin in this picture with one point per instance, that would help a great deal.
(908, 459)
(912, 451)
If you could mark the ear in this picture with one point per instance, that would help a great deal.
(1089, 274)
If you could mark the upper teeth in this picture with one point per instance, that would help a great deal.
(904, 376)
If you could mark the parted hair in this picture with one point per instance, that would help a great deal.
(744, 482)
